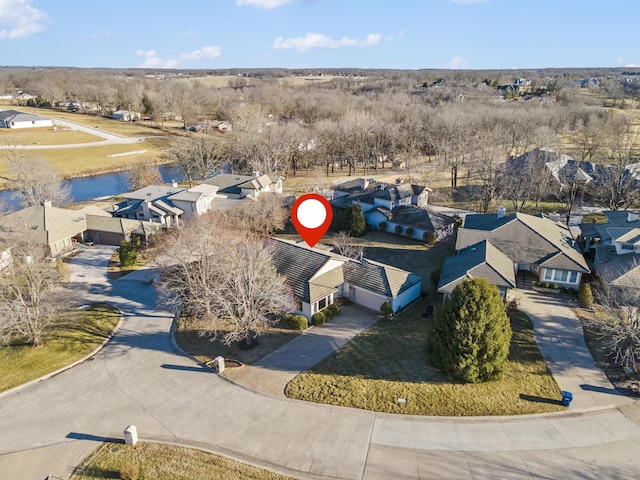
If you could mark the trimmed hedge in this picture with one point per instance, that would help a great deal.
(585, 296)
(335, 309)
(296, 322)
(319, 318)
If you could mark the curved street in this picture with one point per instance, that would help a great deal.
(139, 378)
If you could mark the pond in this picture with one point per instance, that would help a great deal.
(96, 186)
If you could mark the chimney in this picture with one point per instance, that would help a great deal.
(632, 216)
(145, 210)
(255, 174)
(174, 184)
(365, 183)
(47, 203)
(502, 211)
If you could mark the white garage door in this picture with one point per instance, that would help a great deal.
(368, 299)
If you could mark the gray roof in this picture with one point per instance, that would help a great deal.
(301, 264)
(15, 116)
(615, 226)
(524, 239)
(47, 224)
(230, 183)
(480, 260)
(379, 278)
(417, 217)
(617, 270)
(153, 192)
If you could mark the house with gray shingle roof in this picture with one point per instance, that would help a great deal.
(412, 221)
(16, 119)
(534, 244)
(239, 186)
(616, 247)
(61, 228)
(479, 260)
(316, 277)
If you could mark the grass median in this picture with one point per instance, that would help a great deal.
(75, 335)
(385, 369)
(165, 462)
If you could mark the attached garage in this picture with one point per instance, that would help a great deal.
(365, 298)
(106, 238)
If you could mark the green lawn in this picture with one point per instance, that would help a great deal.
(76, 335)
(387, 362)
(157, 461)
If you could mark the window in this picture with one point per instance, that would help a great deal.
(322, 304)
(627, 246)
(563, 276)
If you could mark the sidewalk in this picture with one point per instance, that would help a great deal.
(273, 372)
(560, 338)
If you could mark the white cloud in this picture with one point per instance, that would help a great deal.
(632, 65)
(468, 2)
(99, 35)
(145, 53)
(18, 19)
(313, 41)
(457, 63)
(204, 53)
(157, 62)
(264, 4)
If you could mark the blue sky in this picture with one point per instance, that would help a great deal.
(395, 34)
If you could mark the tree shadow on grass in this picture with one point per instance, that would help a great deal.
(96, 472)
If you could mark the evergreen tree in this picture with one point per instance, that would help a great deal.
(127, 253)
(470, 333)
(352, 221)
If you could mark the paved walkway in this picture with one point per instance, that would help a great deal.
(272, 374)
(139, 378)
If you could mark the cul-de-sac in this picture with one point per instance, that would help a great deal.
(218, 261)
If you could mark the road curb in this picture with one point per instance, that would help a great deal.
(71, 365)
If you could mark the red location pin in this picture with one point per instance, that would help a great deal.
(311, 215)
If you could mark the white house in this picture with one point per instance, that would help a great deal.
(239, 186)
(126, 116)
(317, 277)
(15, 119)
(194, 201)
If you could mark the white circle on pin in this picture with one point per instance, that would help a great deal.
(311, 213)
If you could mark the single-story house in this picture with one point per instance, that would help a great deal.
(15, 119)
(317, 277)
(414, 222)
(60, 228)
(239, 186)
(126, 116)
(616, 246)
(479, 260)
(372, 194)
(560, 166)
(194, 201)
(536, 246)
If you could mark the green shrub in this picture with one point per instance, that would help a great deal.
(335, 309)
(554, 286)
(429, 238)
(572, 291)
(328, 314)
(585, 296)
(537, 284)
(318, 318)
(127, 253)
(386, 311)
(296, 322)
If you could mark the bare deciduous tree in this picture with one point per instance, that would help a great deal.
(143, 174)
(197, 158)
(35, 181)
(31, 295)
(224, 278)
(263, 216)
(346, 245)
(619, 326)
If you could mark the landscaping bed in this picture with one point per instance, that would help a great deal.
(385, 369)
(188, 334)
(160, 461)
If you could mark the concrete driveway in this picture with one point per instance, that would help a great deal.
(139, 378)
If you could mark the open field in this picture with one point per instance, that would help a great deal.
(77, 334)
(222, 81)
(160, 461)
(387, 362)
(45, 136)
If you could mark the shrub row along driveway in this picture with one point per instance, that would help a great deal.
(138, 378)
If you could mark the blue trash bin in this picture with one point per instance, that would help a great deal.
(567, 397)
